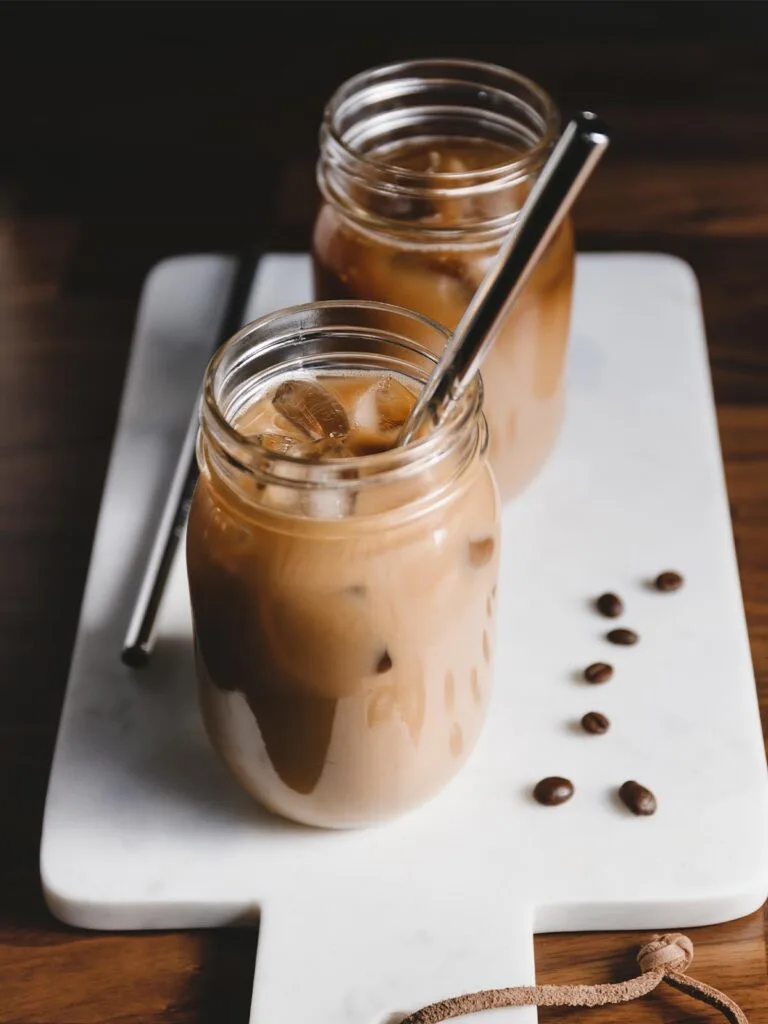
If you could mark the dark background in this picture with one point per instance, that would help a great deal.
(179, 119)
(169, 127)
(130, 132)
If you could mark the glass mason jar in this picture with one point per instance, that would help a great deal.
(343, 608)
(423, 168)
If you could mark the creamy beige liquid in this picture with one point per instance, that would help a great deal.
(344, 652)
(524, 372)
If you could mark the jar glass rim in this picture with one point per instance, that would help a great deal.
(383, 463)
(410, 70)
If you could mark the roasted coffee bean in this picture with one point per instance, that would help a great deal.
(637, 798)
(595, 722)
(553, 790)
(610, 605)
(384, 663)
(622, 636)
(600, 672)
(669, 580)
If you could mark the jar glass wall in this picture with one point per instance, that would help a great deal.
(423, 168)
(343, 602)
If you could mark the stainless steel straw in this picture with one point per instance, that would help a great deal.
(565, 173)
(140, 636)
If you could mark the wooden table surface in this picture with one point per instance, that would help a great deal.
(132, 132)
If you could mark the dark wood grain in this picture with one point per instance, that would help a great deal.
(130, 132)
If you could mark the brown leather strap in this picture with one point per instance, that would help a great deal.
(664, 958)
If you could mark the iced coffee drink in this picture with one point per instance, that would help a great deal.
(343, 588)
(423, 169)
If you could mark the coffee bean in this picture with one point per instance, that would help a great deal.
(622, 636)
(637, 798)
(553, 790)
(610, 605)
(384, 664)
(595, 722)
(600, 672)
(669, 580)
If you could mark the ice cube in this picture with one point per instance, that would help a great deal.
(454, 165)
(319, 502)
(381, 410)
(328, 504)
(450, 210)
(314, 451)
(398, 207)
(368, 441)
(366, 414)
(469, 272)
(393, 403)
(329, 448)
(445, 163)
(283, 498)
(311, 408)
(281, 444)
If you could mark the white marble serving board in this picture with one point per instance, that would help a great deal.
(145, 829)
